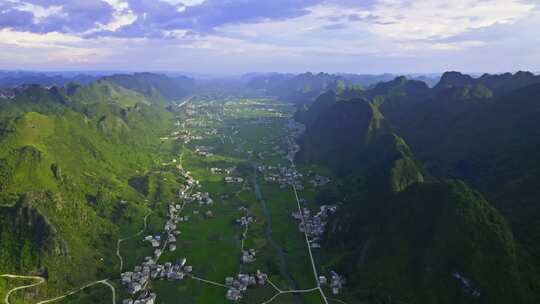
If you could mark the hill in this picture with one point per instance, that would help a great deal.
(430, 243)
(67, 156)
(156, 87)
(407, 233)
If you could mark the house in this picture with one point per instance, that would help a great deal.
(134, 288)
(233, 294)
(248, 256)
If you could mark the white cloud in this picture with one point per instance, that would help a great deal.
(122, 16)
(40, 12)
(184, 2)
(389, 36)
(439, 19)
(53, 48)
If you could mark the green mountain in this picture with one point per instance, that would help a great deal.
(499, 84)
(345, 129)
(68, 157)
(406, 234)
(156, 87)
(304, 88)
(308, 115)
(430, 243)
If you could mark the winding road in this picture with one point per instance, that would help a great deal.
(41, 280)
(104, 282)
(130, 237)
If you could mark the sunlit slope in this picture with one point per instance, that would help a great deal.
(66, 158)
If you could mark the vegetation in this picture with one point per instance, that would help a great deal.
(399, 207)
(67, 155)
(438, 187)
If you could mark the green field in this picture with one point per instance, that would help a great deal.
(242, 134)
(247, 133)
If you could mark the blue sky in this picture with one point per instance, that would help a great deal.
(237, 36)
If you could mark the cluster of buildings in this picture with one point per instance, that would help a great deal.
(138, 279)
(319, 181)
(190, 181)
(145, 298)
(202, 198)
(241, 283)
(248, 256)
(336, 282)
(185, 136)
(313, 225)
(295, 131)
(285, 176)
(245, 220)
(233, 179)
(170, 226)
(203, 151)
(221, 170)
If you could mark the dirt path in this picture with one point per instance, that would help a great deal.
(104, 282)
(130, 237)
(40, 281)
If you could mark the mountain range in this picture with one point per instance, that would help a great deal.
(76, 168)
(440, 184)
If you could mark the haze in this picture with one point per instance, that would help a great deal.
(238, 36)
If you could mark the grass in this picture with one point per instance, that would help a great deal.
(104, 175)
(212, 245)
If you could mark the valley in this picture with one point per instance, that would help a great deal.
(269, 152)
(127, 190)
(225, 187)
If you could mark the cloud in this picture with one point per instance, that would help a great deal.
(143, 18)
(45, 16)
(265, 34)
(336, 26)
(441, 19)
(393, 19)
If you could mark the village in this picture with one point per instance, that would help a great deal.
(314, 225)
(139, 281)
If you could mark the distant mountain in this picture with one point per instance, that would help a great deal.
(304, 88)
(497, 83)
(265, 82)
(155, 86)
(14, 79)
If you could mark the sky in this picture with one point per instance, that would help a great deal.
(240, 36)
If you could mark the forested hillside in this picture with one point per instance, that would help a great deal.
(67, 156)
(413, 229)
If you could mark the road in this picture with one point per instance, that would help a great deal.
(104, 282)
(130, 237)
(41, 280)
